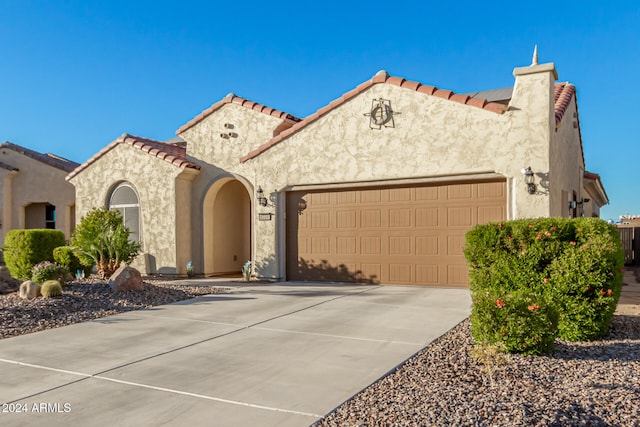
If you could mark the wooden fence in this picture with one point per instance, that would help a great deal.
(630, 237)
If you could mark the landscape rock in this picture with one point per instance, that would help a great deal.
(126, 278)
(5, 275)
(29, 290)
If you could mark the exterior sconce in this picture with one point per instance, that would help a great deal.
(302, 205)
(529, 179)
(262, 201)
(573, 204)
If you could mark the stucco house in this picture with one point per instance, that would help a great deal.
(380, 185)
(33, 190)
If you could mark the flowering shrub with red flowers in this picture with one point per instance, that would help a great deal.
(523, 321)
(572, 266)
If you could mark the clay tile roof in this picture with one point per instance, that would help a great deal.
(231, 98)
(171, 153)
(379, 77)
(48, 158)
(564, 93)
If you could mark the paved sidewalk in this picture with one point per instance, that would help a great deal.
(267, 355)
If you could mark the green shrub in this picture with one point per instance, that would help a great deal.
(65, 256)
(520, 321)
(573, 264)
(51, 288)
(48, 270)
(101, 239)
(25, 248)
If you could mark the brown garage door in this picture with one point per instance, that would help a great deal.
(400, 235)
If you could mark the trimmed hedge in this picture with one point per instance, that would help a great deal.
(573, 265)
(25, 248)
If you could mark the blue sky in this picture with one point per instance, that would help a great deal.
(74, 75)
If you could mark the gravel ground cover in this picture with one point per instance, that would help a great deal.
(580, 384)
(87, 300)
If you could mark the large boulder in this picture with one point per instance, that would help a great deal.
(126, 278)
(29, 290)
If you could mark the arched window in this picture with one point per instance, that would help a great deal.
(124, 199)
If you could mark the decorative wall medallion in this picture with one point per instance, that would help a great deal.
(381, 114)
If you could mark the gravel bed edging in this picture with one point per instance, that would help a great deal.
(89, 300)
(592, 383)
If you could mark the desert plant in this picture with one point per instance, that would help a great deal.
(518, 321)
(48, 270)
(25, 248)
(246, 271)
(573, 265)
(50, 289)
(101, 239)
(491, 357)
(65, 256)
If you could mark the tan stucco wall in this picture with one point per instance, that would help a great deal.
(566, 164)
(35, 182)
(159, 189)
(432, 137)
(219, 159)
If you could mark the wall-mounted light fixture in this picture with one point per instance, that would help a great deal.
(302, 205)
(529, 179)
(263, 201)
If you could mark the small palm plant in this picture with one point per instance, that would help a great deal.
(101, 239)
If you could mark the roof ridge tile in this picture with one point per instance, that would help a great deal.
(243, 102)
(171, 153)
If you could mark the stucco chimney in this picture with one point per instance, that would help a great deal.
(533, 122)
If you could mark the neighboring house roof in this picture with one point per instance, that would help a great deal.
(232, 98)
(593, 185)
(380, 77)
(563, 93)
(172, 153)
(48, 158)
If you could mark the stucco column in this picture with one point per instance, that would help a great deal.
(532, 109)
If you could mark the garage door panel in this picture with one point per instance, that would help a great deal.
(400, 273)
(427, 217)
(427, 274)
(427, 245)
(400, 217)
(457, 217)
(388, 235)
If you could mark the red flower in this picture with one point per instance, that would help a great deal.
(509, 237)
(603, 292)
(534, 307)
(501, 225)
(587, 288)
(545, 280)
(609, 292)
(499, 303)
(579, 229)
(572, 243)
(546, 233)
(620, 270)
(554, 228)
(530, 225)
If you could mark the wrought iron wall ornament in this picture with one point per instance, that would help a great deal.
(381, 114)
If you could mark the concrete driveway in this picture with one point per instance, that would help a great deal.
(260, 355)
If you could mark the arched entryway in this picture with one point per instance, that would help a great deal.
(227, 227)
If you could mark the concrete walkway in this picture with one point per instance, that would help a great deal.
(260, 355)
